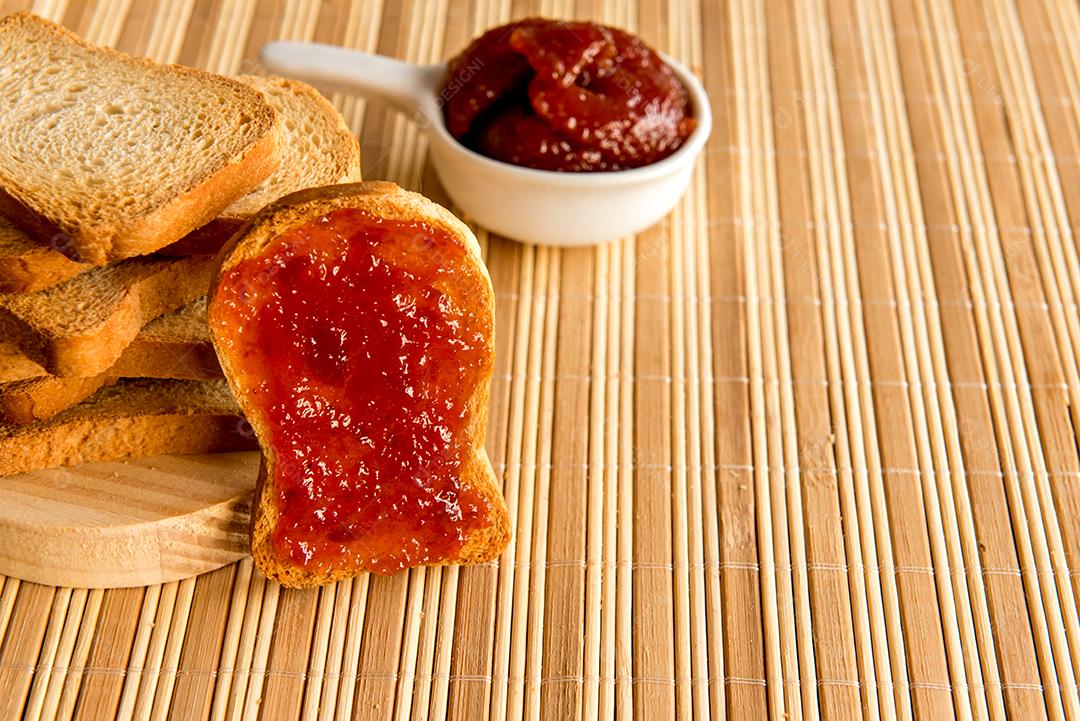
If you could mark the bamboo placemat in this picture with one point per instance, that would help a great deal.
(805, 450)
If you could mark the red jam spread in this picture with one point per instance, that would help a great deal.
(570, 96)
(361, 346)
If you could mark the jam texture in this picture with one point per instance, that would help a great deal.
(569, 96)
(363, 346)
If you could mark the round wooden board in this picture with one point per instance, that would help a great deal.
(126, 523)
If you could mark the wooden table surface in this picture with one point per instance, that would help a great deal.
(805, 450)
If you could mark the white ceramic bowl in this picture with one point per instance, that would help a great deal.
(536, 206)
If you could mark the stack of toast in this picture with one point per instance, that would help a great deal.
(120, 180)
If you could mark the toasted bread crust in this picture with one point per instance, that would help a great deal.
(94, 350)
(131, 419)
(24, 402)
(203, 202)
(389, 201)
(150, 355)
(219, 184)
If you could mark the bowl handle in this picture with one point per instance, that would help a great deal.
(411, 88)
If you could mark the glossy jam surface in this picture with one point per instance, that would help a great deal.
(569, 96)
(358, 342)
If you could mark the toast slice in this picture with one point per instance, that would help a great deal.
(373, 456)
(176, 345)
(104, 156)
(317, 149)
(81, 326)
(128, 420)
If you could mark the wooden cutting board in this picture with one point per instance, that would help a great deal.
(126, 523)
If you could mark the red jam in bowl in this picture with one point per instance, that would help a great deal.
(569, 96)
(362, 346)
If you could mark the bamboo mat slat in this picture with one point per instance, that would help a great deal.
(805, 450)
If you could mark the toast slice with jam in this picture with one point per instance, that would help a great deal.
(354, 324)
